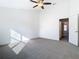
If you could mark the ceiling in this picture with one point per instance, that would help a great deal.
(20, 4)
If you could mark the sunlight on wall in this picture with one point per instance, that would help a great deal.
(15, 35)
(24, 39)
(13, 43)
(18, 41)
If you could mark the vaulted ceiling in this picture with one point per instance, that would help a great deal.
(19, 4)
(22, 4)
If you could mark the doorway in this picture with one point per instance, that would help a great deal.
(64, 29)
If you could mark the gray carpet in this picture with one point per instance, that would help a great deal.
(42, 49)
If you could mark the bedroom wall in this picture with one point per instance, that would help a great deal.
(25, 22)
(49, 19)
(29, 22)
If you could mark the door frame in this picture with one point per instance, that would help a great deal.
(61, 27)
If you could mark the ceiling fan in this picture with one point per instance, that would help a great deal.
(41, 3)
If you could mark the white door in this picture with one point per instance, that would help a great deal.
(73, 29)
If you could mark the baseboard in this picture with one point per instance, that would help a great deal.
(3, 45)
(41, 38)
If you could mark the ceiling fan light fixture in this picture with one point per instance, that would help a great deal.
(40, 3)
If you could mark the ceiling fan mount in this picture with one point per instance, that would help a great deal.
(41, 3)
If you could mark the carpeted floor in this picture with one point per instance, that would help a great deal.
(41, 49)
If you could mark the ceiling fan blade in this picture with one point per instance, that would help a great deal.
(47, 3)
(33, 1)
(35, 6)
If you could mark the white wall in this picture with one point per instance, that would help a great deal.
(49, 20)
(25, 22)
